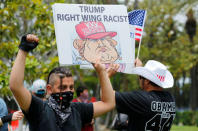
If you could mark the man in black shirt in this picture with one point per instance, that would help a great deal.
(152, 108)
(57, 113)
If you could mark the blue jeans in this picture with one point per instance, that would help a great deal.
(3, 112)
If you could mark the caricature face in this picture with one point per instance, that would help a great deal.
(103, 49)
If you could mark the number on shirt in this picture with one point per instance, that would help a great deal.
(157, 123)
(168, 123)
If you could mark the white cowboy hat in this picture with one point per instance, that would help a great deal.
(155, 72)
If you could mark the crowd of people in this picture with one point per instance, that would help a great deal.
(150, 109)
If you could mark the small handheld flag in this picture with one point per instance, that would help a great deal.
(136, 22)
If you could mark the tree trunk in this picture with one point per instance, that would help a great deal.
(126, 2)
(136, 5)
(194, 86)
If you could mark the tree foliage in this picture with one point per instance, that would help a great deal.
(19, 18)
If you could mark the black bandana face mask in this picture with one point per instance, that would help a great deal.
(60, 103)
(63, 99)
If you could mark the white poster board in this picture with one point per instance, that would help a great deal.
(124, 68)
(85, 33)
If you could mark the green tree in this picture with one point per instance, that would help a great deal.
(18, 18)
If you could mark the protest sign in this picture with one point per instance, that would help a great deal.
(136, 20)
(124, 67)
(85, 33)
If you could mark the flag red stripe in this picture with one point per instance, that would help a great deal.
(138, 29)
(137, 39)
(138, 34)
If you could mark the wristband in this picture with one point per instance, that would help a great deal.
(7, 118)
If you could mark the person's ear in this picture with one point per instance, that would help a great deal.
(49, 89)
(78, 44)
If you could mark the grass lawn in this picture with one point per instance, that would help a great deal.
(184, 128)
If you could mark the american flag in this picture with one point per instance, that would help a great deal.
(136, 21)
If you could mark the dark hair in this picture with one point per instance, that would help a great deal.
(59, 70)
(152, 83)
(80, 89)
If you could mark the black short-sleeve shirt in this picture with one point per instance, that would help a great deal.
(147, 111)
(42, 118)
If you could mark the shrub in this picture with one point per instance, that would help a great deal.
(196, 118)
(177, 119)
(186, 118)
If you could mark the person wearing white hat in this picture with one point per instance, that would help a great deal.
(152, 108)
(39, 88)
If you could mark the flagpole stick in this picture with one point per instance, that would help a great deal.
(139, 49)
(141, 37)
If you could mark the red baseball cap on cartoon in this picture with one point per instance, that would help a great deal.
(92, 30)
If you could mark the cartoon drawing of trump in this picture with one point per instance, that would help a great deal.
(95, 42)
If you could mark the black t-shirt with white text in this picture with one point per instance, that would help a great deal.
(42, 118)
(147, 111)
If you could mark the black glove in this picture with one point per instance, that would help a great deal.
(26, 45)
(7, 118)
